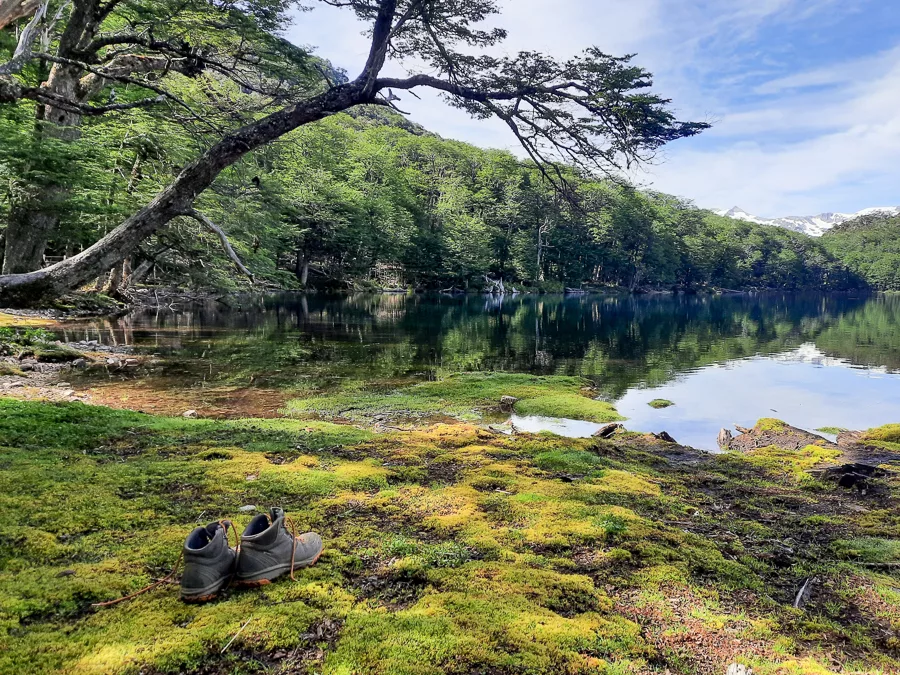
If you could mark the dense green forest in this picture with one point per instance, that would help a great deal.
(870, 247)
(370, 198)
(353, 195)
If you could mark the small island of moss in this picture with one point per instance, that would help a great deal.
(660, 403)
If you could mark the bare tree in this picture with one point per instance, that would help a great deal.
(593, 111)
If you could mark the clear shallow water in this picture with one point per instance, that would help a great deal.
(803, 387)
(811, 360)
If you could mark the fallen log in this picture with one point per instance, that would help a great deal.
(607, 430)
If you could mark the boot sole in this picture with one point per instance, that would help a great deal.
(206, 594)
(269, 577)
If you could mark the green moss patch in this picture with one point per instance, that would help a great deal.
(10, 371)
(887, 436)
(660, 403)
(449, 549)
(463, 396)
(869, 550)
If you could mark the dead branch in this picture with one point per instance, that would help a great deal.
(226, 245)
(23, 51)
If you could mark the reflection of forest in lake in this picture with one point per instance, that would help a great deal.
(620, 342)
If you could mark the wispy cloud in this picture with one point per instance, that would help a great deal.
(805, 94)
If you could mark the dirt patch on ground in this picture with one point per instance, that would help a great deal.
(675, 624)
(174, 400)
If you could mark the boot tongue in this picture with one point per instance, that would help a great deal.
(212, 528)
(275, 513)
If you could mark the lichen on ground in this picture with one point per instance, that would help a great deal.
(450, 549)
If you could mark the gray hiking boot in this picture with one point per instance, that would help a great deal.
(268, 549)
(208, 563)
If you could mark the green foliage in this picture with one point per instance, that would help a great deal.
(337, 199)
(24, 337)
(870, 246)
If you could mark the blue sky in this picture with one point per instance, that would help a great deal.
(804, 95)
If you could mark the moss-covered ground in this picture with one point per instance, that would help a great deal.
(463, 396)
(450, 549)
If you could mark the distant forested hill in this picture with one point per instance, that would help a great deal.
(370, 197)
(870, 247)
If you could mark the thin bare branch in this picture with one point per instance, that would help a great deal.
(23, 52)
(226, 245)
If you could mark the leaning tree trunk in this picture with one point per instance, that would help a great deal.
(175, 200)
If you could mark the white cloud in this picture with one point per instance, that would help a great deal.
(784, 142)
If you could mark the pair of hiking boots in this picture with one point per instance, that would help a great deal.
(267, 550)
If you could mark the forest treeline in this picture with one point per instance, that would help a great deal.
(217, 153)
(870, 247)
(368, 198)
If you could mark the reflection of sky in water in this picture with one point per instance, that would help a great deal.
(534, 424)
(802, 388)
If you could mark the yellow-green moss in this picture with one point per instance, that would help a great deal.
(462, 395)
(17, 321)
(770, 424)
(887, 437)
(448, 549)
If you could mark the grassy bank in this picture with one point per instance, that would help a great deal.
(463, 396)
(449, 550)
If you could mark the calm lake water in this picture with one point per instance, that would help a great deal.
(813, 361)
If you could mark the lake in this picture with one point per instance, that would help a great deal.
(813, 360)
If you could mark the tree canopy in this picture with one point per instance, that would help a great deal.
(223, 73)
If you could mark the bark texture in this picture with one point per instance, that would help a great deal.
(13, 10)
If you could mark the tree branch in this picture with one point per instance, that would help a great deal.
(125, 79)
(226, 245)
(381, 37)
(63, 103)
(13, 10)
(23, 51)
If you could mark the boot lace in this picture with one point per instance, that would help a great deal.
(225, 524)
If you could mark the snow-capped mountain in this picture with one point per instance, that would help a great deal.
(815, 226)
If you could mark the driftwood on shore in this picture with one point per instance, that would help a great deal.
(607, 430)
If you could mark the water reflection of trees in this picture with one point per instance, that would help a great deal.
(618, 341)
